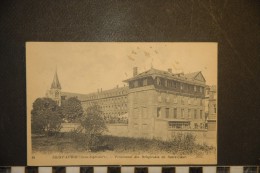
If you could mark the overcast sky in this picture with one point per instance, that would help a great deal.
(85, 67)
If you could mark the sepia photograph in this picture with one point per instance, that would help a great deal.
(121, 103)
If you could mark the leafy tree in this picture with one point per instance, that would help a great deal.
(72, 109)
(46, 116)
(93, 124)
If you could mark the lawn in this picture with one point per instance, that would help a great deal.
(67, 144)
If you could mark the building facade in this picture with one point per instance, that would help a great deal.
(211, 107)
(153, 104)
(160, 102)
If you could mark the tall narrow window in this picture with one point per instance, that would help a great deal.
(175, 112)
(158, 112)
(215, 108)
(166, 83)
(144, 112)
(167, 112)
(195, 113)
(195, 88)
(182, 113)
(189, 113)
(200, 114)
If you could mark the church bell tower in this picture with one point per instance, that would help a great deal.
(55, 90)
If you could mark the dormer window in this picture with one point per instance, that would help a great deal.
(158, 81)
(144, 82)
(136, 83)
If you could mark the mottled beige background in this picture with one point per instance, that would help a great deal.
(85, 67)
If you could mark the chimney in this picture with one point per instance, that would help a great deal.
(135, 71)
(170, 70)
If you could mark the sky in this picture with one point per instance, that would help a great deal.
(84, 67)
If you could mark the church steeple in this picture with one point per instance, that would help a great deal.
(55, 83)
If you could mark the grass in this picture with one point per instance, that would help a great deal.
(67, 144)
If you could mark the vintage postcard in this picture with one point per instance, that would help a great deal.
(120, 103)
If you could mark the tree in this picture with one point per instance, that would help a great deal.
(93, 124)
(72, 109)
(46, 116)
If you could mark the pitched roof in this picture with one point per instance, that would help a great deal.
(191, 77)
(55, 83)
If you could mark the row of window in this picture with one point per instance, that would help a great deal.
(169, 113)
(186, 125)
(109, 100)
(116, 93)
(170, 84)
(183, 113)
(183, 100)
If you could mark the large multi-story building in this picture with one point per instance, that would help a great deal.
(160, 101)
(154, 104)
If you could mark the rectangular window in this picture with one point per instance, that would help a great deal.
(144, 82)
(175, 100)
(200, 102)
(167, 112)
(200, 114)
(195, 113)
(175, 112)
(201, 89)
(189, 113)
(158, 81)
(136, 83)
(135, 113)
(144, 112)
(166, 83)
(158, 112)
(144, 126)
(182, 113)
(182, 100)
(195, 88)
(215, 108)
